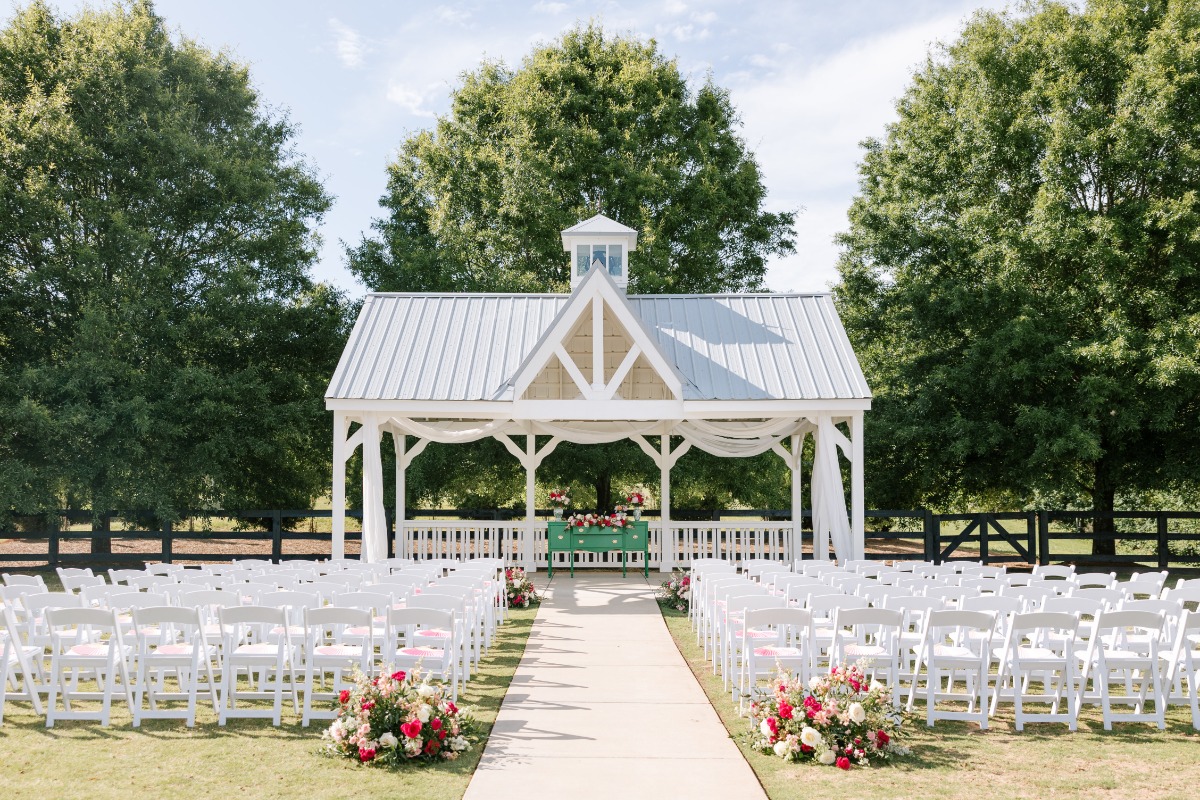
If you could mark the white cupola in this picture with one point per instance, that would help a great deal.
(601, 243)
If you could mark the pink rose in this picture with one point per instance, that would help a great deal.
(843, 763)
(365, 754)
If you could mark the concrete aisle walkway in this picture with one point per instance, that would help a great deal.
(604, 706)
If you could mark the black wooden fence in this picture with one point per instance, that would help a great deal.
(1154, 538)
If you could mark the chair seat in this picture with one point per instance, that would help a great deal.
(434, 633)
(953, 653)
(339, 650)
(420, 652)
(864, 650)
(756, 634)
(173, 650)
(772, 651)
(258, 649)
(89, 650)
(293, 630)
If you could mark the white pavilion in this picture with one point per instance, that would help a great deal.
(734, 375)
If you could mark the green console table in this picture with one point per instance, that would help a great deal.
(631, 538)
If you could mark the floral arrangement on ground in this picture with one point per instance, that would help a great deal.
(840, 719)
(519, 590)
(676, 591)
(398, 718)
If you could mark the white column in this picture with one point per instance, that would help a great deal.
(666, 541)
(797, 498)
(400, 440)
(338, 548)
(530, 518)
(374, 524)
(819, 510)
(857, 502)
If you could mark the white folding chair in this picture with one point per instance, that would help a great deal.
(247, 646)
(25, 580)
(21, 664)
(86, 640)
(790, 648)
(408, 648)
(1183, 671)
(870, 636)
(1094, 580)
(328, 652)
(171, 640)
(948, 649)
(1108, 652)
(1025, 654)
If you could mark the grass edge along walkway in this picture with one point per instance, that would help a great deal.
(247, 759)
(955, 761)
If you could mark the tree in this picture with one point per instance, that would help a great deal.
(589, 124)
(1020, 276)
(163, 346)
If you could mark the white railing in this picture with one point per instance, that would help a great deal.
(734, 540)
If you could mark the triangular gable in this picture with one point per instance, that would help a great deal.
(585, 369)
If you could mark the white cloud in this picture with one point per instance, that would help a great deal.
(675, 7)
(349, 43)
(454, 16)
(549, 8)
(408, 99)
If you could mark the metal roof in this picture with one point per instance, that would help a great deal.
(727, 347)
(755, 347)
(439, 346)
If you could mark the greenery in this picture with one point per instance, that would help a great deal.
(590, 123)
(955, 761)
(246, 759)
(1020, 274)
(163, 346)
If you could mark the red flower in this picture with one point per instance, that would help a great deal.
(805, 748)
(441, 735)
(368, 705)
(785, 711)
(365, 754)
(843, 763)
(344, 696)
(398, 676)
(435, 724)
(432, 746)
(773, 724)
(412, 729)
(881, 739)
(451, 709)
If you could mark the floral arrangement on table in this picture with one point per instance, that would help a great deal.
(615, 520)
(676, 591)
(560, 499)
(396, 718)
(839, 719)
(635, 500)
(519, 589)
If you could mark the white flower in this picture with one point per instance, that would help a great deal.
(781, 748)
(766, 729)
(424, 690)
(423, 713)
(412, 746)
(858, 714)
(876, 686)
(814, 682)
(810, 737)
(459, 743)
(826, 757)
(389, 740)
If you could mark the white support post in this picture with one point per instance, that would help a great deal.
(666, 541)
(797, 547)
(374, 521)
(597, 344)
(530, 520)
(819, 511)
(338, 511)
(857, 501)
(400, 440)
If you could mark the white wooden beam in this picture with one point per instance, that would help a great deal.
(338, 505)
(568, 363)
(597, 344)
(857, 488)
(626, 364)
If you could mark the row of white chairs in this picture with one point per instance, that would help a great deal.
(835, 617)
(240, 642)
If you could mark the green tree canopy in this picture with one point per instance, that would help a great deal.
(1022, 267)
(162, 344)
(589, 124)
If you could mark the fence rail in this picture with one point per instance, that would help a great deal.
(1156, 538)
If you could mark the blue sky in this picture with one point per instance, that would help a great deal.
(811, 80)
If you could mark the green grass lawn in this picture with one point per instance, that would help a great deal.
(246, 759)
(956, 761)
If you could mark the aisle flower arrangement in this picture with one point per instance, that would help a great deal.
(398, 718)
(676, 591)
(840, 719)
(519, 589)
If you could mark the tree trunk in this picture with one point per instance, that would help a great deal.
(101, 524)
(1103, 500)
(603, 485)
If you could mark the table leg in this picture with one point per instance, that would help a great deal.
(572, 556)
(624, 561)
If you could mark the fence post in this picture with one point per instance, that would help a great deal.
(168, 536)
(53, 541)
(931, 543)
(1164, 546)
(276, 537)
(1044, 538)
(985, 526)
